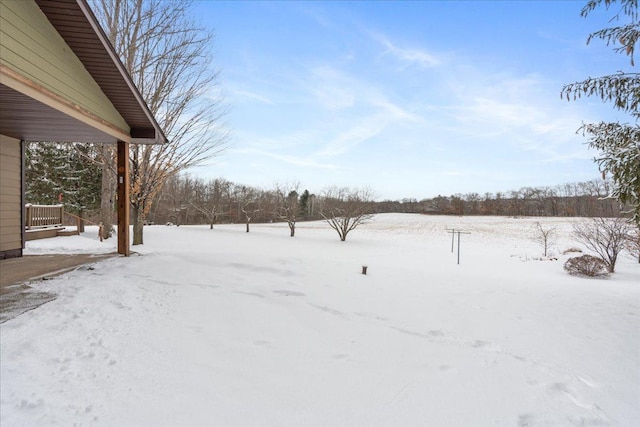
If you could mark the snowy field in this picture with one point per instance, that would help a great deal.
(220, 327)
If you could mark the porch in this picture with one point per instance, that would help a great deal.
(46, 221)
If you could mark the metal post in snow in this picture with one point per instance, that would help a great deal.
(453, 239)
(453, 233)
(459, 233)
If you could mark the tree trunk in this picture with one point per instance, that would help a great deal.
(136, 217)
(80, 221)
(107, 192)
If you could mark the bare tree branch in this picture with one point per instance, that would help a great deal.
(168, 57)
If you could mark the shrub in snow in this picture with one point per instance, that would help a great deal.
(605, 236)
(586, 265)
(572, 250)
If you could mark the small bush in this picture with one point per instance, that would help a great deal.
(604, 236)
(586, 265)
(572, 250)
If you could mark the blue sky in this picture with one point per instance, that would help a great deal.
(411, 99)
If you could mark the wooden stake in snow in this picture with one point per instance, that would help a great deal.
(453, 232)
(364, 270)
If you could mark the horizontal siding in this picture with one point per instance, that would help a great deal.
(10, 194)
(9, 215)
(32, 47)
(10, 188)
(10, 224)
(10, 246)
(10, 179)
(9, 147)
(10, 199)
(11, 167)
(9, 241)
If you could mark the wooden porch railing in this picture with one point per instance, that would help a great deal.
(41, 216)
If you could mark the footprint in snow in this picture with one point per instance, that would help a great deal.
(525, 420)
(288, 293)
(372, 316)
(255, 294)
(327, 309)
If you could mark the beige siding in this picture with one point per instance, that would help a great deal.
(33, 48)
(10, 194)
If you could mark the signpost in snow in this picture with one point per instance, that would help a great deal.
(453, 233)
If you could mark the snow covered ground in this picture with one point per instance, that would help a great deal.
(221, 327)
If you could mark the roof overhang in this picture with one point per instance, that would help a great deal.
(29, 114)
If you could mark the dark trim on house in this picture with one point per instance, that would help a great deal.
(23, 197)
(13, 253)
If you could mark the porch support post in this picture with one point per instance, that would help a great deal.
(123, 198)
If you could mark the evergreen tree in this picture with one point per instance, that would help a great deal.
(305, 204)
(82, 181)
(63, 173)
(45, 164)
(618, 143)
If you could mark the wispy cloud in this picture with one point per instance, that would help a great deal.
(332, 89)
(516, 111)
(347, 139)
(289, 159)
(365, 110)
(254, 96)
(408, 56)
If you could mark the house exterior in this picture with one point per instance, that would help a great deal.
(61, 81)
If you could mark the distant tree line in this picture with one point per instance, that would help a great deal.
(191, 200)
(188, 200)
(582, 199)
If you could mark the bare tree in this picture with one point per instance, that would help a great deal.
(250, 203)
(168, 57)
(288, 206)
(208, 199)
(605, 236)
(544, 236)
(344, 208)
(108, 188)
(177, 194)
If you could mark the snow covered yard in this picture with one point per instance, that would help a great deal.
(221, 327)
